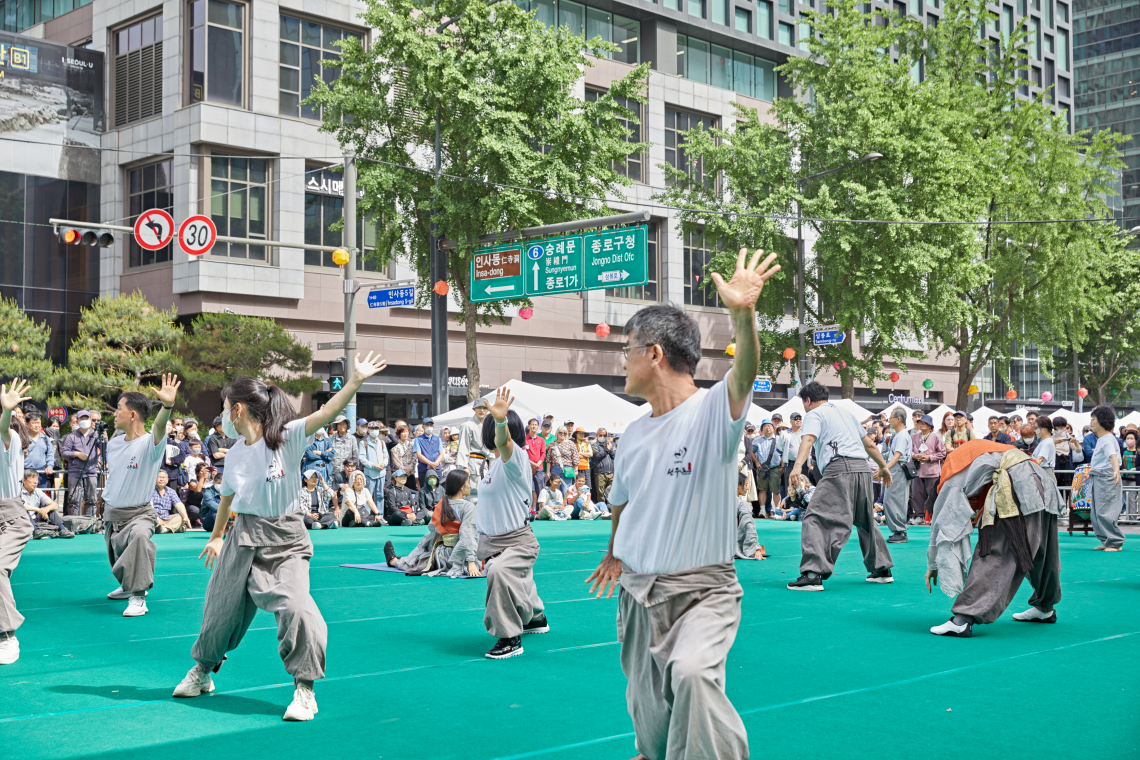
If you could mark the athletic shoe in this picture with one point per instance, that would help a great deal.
(9, 650)
(537, 625)
(303, 706)
(197, 681)
(916, 521)
(39, 533)
(389, 553)
(898, 538)
(806, 583)
(136, 607)
(881, 576)
(65, 533)
(119, 594)
(950, 628)
(1034, 615)
(505, 648)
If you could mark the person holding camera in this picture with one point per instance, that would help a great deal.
(80, 450)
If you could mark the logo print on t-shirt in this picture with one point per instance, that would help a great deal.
(276, 471)
(680, 466)
(133, 464)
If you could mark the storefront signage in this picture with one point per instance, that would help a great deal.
(325, 182)
(908, 400)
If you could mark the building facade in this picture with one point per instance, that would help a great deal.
(204, 115)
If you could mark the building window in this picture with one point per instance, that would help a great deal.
(673, 5)
(764, 19)
(149, 187)
(805, 32)
(217, 52)
(1063, 12)
(1007, 21)
(324, 207)
(697, 257)
(239, 204)
(786, 34)
(696, 8)
(721, 12)
(676, 123)
(304, 45)
(786, 7)
(1035, 38)
(592, 22)
(648, 291)
(916, 8)
(1063, 49)
(743, 20)
(634, 162)
(1049, 20)
(138, 71)
(754, 77)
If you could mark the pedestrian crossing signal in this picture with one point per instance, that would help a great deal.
(336, 375)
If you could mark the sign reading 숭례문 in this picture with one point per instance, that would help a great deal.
(554, 266)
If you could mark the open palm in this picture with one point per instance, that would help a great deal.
(743, 290)
(368, 366)
(502, 404)
(10, 397)
(169, 390)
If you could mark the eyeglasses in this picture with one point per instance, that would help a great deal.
(626, 349)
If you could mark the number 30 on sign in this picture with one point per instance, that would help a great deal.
(197, 235)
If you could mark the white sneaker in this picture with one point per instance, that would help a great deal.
(136, 607)
(303, 706)
(119, 594)
(1034, 615)
(9, 650)
(950, 628)
(197, 681)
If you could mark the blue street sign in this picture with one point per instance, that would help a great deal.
(378, 299)
(762, 385)
(828, 336)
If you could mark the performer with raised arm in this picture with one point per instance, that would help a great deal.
(264, 563)
(673, 539)
(15, 527)
(133, 462)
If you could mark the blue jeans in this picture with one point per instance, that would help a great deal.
(46, 481)
(376, 488)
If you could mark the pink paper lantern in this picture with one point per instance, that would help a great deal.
(1046, 396)
(526, 312)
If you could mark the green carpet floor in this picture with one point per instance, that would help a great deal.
(850, 672)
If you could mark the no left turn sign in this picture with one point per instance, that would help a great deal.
(197, 235)
(153, 229)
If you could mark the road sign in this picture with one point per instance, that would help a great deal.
(197, 235)
(379, 299)
(59, 413)
(828, 335)
(616, 258)
(154, 229)
(762, 385)
(330, 346)
(497, 273)
(554, 266)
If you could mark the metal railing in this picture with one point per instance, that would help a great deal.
(1130, 504)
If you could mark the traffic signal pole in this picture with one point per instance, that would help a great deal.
(350, 285)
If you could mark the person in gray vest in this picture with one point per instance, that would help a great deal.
(472, 456)
(896, 494)
(843, 497)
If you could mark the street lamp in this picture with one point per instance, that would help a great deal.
(868, 158)
(1127, 233)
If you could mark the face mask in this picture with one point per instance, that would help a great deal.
(320, 433)
(84, 424)
(373, 433)
(178, 428)
(194, 435)
(228, 428)
(428, 430)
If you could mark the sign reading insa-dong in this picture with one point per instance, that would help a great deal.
(496, 273)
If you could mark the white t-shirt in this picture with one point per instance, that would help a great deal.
(264, 482)
(504, 495)
(1048, 449)
(837, 434)
(132, 467)
(902, 445)
(790, 446)
(11, 467)
(677, 475)
(1106, 448)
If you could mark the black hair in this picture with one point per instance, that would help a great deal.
(814, 392)
(452, 485)
(1059, 422)
(21, 430)
(552, 477)
(352, 461)
(1134, 433)
(267, 404)
(1105, 417)
(1044, 423)
(30, 474)
(32, 414)
(514, 428)
(741, 479)
(137, 402)
(1004, 419)
(671, 328)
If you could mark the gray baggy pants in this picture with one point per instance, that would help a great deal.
(895, 500)
(15, 530)
(674, 646)
(1107, 502)
(128, 532)
(512, 598)
(994, 579)
(264, 564)
(842, 499)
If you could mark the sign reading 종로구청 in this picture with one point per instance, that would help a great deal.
(497, 273)
(616, 258)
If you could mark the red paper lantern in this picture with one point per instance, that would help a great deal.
(1011, 394)
(441, 288)
(840, 365)
(895, 377)
(1083, 392)
(526, 312)
(789, 353)
(602, 330)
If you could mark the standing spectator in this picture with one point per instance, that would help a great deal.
(80, 450)
(1129, 464)
(764, 452)
(428, 450)
(344, 445)
(318, 455)
(547, 433)
(929, 451)
(175, 454)
(315, 499)
(536, 453)
(1104, 478)
(602, 463)
(53, 430)
(1045, 450)
(449, 453)
(561, 460)
(1064, 443)
(42, 511)
(218, 445)
(404, 456)
(997, 435)
(790, 446)
(472, 456)
(585, 452)
(1088, 444)
(946, 428)
(361, 432)
(171, 512)
(898, 454)
(959, 434)
(41, 449)
(374, 460)
(211, 497)
(1014, 430)
(1027, 441)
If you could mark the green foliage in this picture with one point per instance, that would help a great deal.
(218, 347)
(123, 344)
(23, 348)
(1109, 360)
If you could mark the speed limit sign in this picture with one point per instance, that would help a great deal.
(197, 235)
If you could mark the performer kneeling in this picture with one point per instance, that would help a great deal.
(449, 548)
(747, 543)
(506, 543)
(264, 564)
(15, 527)
(1017, 536)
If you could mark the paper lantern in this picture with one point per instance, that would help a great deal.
(526, 312)
(602, 330)
(1083, 392)
(1011, 394)
(441, 288)
(789, 353)
(928, 384)
(895, 377)
(840, 365)
(340, 257)
(1046, 396)
(973, 390)
(730, 350)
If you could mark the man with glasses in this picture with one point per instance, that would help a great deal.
(673, 503)
(602, 465)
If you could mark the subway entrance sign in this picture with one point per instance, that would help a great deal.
(497, 273)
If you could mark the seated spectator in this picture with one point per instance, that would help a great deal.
(400, 502)
(747, 544)
(42, 511)
(171, 512)
(551, 502)
(211, 497)
(316, 497)
(319, 455)
(449, 547)
(341, 479)
(578, 499)
(357, 508)
(192, 497)
(431, 493)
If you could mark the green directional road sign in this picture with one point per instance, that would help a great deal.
(497, 273)
(553, 266)
(616, 258)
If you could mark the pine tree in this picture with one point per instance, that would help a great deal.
(23, 348)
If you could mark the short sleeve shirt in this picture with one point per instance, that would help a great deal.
(264, 482)
(902, 445)
(1106, 447)
(132, 467)
(1047, 449)
(11, 467)
(504, 495)
(837, 434)
(34, 500)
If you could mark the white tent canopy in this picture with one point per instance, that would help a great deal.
(899, 405)
(795, 404)
(938, 413)
(982, 417)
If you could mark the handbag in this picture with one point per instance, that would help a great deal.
(910, 469)
(567, 471)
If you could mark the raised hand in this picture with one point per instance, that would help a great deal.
(502, 404)
(10, 398)
(169, 389)
(743, 290)
(368, 367)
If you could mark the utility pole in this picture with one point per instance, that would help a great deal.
(438, 273)
(350, 285)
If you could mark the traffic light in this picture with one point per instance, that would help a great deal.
(336, 375)
(84, 236)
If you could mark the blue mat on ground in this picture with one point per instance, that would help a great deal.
(384, 567)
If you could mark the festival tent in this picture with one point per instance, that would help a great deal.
(591, 407)
(982, 419)
(900, 405)
(796, 404)
(938, 413)
(1130, 418)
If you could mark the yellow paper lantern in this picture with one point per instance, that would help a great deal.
(972, 390)
(340, 257)
(730, 350)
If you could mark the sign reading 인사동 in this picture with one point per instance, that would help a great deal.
(616, 258)
(554, 266)
(497, 273)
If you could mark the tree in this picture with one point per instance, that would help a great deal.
(502, 86)
(23, 348)
(1109, 360)
(122, 344)
(218, 347)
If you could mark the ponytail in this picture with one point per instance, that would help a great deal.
(267, 404)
